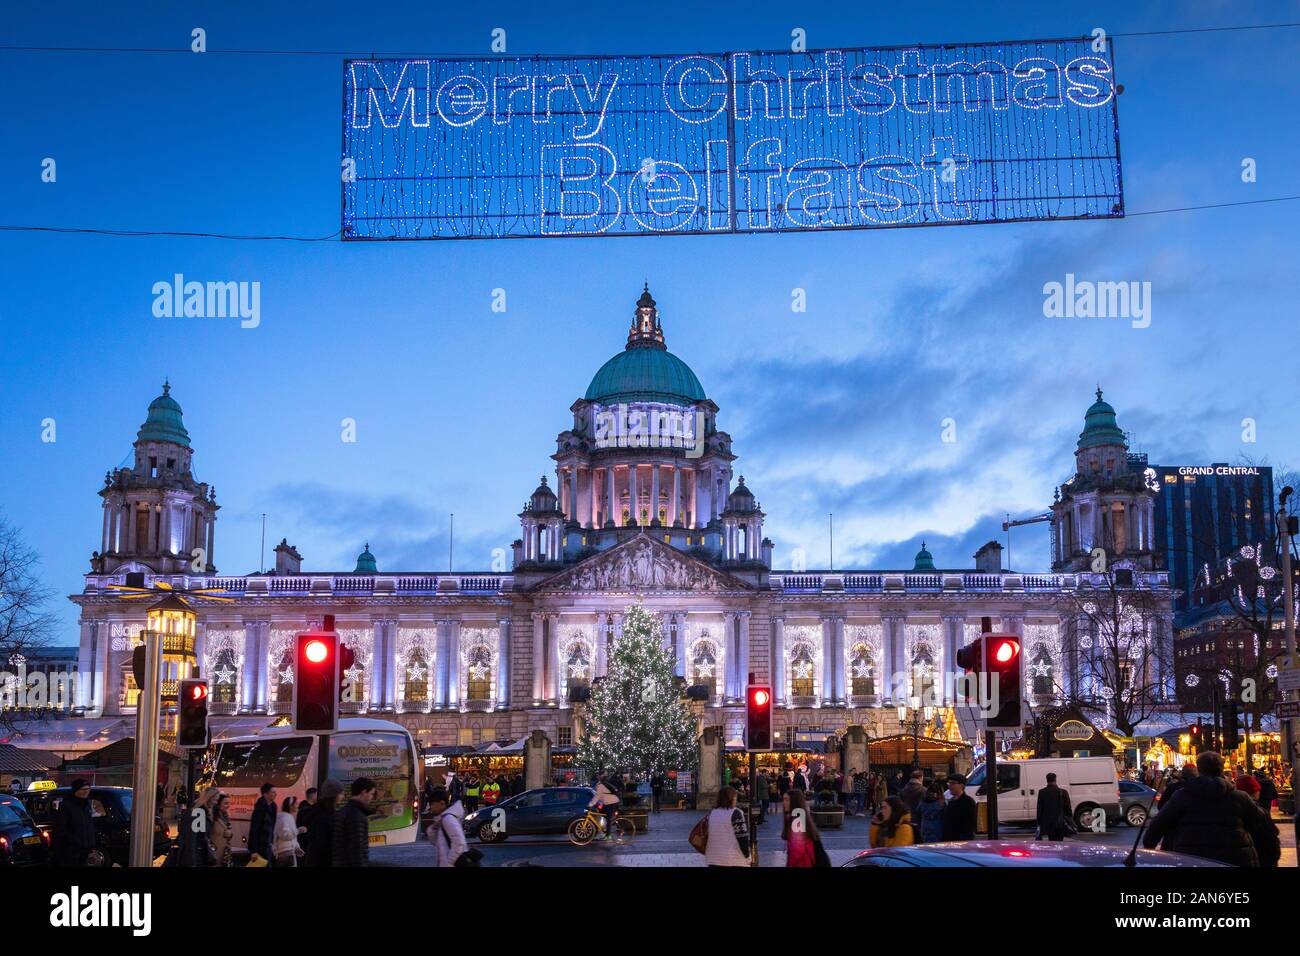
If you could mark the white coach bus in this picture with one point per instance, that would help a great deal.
(290, 762)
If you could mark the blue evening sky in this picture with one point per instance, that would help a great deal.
(836, 409)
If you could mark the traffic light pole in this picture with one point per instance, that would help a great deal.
(753, 802)
(1292, 737)
(144, 780)
(991, 779)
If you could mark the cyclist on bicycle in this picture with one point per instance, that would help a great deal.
(606, 800)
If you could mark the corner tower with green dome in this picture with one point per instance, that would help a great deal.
(157, 517)
(644, 454)
(1104, 516)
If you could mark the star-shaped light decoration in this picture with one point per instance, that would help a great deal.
(1271, 671)
(1041, 669)
(802, 670)
(861, 669)
(578, 670)
(286, 675)
(354, 673)
(477, 671)
(704, 669)
(416, 672)
(225, 675)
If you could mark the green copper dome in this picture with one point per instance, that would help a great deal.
(645, 371)
(1099, 426)
(164, 421)
(924, 560)
(366, 562)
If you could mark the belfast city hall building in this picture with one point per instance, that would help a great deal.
(646, 503)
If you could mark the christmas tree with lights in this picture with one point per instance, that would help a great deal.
(637, 719)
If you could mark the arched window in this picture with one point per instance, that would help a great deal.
(1040, 669)
(577, 668)
(802, 671)
(415, 685)
(704, 665)
(863, 669)
(923, 674)
(478, 673)
(284, 678)
(226, 672)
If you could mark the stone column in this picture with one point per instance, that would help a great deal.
(256, 647)
(212, 537)
(634, 502)
(679, 647)
(654, 492)
(552, 656)
(745, 666)
(729, 658)
(378, 666)
(778, 660)
(841, 695)
(610, 496)
(453, 664)
(676, 511)
(954, 637)
(828, 659)
(503, 663)
(896, 675)
(539, 658)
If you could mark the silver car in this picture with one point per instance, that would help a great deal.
(1137, 801)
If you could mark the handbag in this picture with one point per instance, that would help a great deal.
(699, 838)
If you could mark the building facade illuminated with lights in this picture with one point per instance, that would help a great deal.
(647, 506)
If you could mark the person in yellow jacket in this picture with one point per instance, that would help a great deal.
(491, 793)
(472, 789)
(892, 825)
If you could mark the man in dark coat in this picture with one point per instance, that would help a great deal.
(1210, 817)
(310, 803)
(352, 826)
(913, 791)
(1267, 792)
(74, 830)
(1053, 810)
(959, 815)
(319, 846)
(261, 825)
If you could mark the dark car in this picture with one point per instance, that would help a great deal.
(110, 811)
(548, 810)
(21, 841)
(1136, 802)
(1018, 853)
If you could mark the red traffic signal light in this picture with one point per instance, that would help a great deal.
(758, 717)
(1002, 662)
(192, 713)
(316, 682)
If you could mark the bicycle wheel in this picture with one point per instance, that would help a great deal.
(582, 831)
(624, 828)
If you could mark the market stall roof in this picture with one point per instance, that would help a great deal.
(18, 762)
(71, 737)
(448, 750)
(898, 748)
(241, 727)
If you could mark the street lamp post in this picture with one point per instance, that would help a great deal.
(1288, 608)
(170, 618)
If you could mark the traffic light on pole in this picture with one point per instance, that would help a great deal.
(1231, 726)
(1002, 662)
(316, 682)
(1194, 733)
(192, 715)
(758, 717)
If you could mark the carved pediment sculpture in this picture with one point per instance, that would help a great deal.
(642, 564)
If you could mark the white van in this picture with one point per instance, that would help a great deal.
(1092, 782)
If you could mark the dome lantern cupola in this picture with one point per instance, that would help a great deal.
(163, 423)
(646, 332)
(366, 562)
(1100, 426)
(645, 371)
(924, 563)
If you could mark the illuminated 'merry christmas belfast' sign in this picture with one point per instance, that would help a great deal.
(736, 142)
